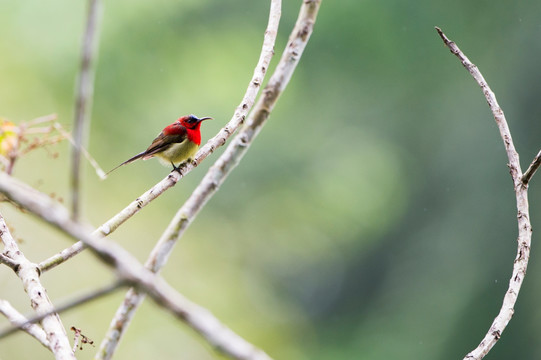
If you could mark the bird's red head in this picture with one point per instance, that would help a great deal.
(192, 122)
(189, 125)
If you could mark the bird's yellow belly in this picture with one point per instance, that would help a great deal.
(178, 153)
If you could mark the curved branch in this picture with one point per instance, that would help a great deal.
(217, 174)
(521, 193)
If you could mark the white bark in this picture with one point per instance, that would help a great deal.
(520, 183)
(28, 272)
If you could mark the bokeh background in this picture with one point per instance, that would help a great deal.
(373, 218)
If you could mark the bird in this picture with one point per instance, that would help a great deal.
(175, 144)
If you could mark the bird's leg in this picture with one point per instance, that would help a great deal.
(176, 168)
(181, 165)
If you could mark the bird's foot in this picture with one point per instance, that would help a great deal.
(176, 168)
(182, 165)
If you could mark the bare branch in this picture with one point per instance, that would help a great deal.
(9, 262)
(521, 192)
(128, 269)
(532, 169)
(19, 320)
(89, 158)
(84, 95)
(29, 274)
(82, 299)
(499, 117)
(241, 111)
(217, 173)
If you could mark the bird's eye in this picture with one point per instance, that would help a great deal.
(192, 119)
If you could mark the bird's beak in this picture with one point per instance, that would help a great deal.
(205, 118)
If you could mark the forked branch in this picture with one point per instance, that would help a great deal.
(18, 319)
(521, 193)
(28, 273)
(130, 271)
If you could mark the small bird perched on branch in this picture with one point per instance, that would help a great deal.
(176, 143)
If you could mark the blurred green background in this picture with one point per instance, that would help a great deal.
(373, 218)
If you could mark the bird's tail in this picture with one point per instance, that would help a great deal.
(138, 156)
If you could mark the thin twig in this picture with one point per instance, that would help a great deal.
(218, 172)
(521, 193)
(83, 101)
(218, 140)
(76, 338)
(79, 300)
(128, 269)
(79, 335)
(29, 275)
(91, 160)
(19, 320)
(42, 119)
(532, 169)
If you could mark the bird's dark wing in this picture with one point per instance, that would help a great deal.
(162, 142)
